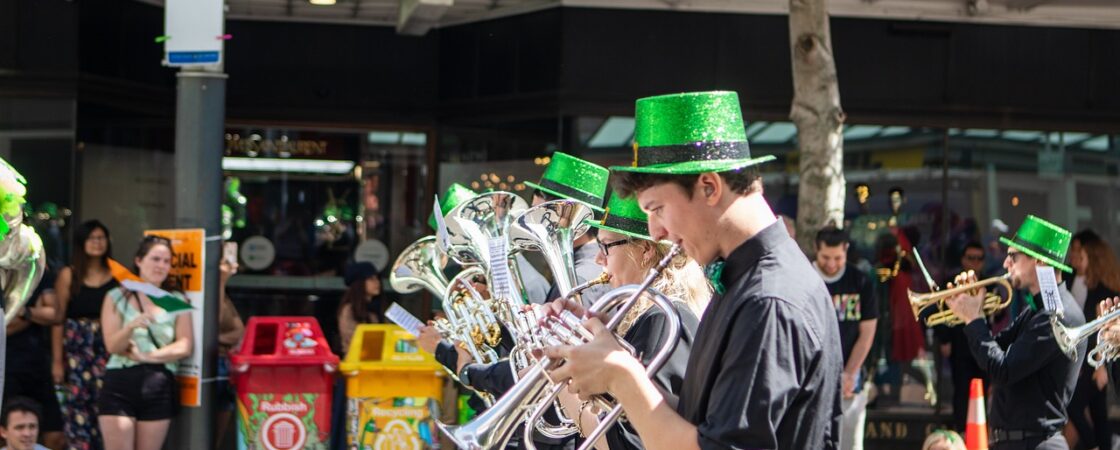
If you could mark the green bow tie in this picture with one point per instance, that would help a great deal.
(714, 271)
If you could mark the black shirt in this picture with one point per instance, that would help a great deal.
(29, 350)
(1032, 380)
(87, 304)
(647, 335)
(855, 301)
(765, 366)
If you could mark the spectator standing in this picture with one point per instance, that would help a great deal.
(139, 397)
(78, 351)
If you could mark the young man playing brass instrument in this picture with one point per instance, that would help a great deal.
(765, 366)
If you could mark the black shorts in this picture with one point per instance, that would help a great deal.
(36, 386)
(146, 392)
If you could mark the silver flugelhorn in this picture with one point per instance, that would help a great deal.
(621, 300)
(1068, 338)
(497, 425)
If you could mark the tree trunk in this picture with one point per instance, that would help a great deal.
(819, 118)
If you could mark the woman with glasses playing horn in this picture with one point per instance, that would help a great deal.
(627, 253)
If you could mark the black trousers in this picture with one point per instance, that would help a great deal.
(1088, 412)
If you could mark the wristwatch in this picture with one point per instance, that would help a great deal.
(464, 375)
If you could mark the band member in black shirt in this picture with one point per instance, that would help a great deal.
(1032, 379)
(765, 365)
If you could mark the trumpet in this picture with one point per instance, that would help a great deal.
(533, 394)
(993, 301)
(1068, 338)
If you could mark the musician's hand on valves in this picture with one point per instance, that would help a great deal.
(595, 367)
(967, 305)
(1111, 331)
(560, 305)
(429, 338)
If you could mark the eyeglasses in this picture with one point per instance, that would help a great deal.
(605, 246)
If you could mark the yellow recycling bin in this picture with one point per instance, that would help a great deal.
(392, 391)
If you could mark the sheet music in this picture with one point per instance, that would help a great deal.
(1048, 285)
(405, 319)
(499, 269)
(441, 226)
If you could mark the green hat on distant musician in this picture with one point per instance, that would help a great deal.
(455, 194)
(1042, 240)
(623, 216)
(573, 178)
(690, 133)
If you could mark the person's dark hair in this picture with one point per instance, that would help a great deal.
(79, 260)
(21, 404)
(355, 278)
(1102, 267)
(831, 236)
(743, 181)
(973, 244)
(171, 284)
(1085, 236)
(355, 299)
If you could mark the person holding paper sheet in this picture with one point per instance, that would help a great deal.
(1032, 379)
(139, 394)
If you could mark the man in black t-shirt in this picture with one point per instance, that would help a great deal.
(857, 312)
(28, 360)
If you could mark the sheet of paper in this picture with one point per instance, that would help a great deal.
(1048, 285)
(405, 319)
(441, 226)
(499, 269)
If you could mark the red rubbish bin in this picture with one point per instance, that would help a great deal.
(283, 372)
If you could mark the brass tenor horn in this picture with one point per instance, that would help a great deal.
(419, 266)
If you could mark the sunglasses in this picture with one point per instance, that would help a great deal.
(974, 257)
(1014, 256)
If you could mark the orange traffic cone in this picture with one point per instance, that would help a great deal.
(976, 430)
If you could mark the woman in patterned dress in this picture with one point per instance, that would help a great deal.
(77, 346)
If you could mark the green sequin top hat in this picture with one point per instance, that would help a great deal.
(623, 216)
(690, 133)
(12, 191)
(1042, 240)
(455, 194)
(570, 177)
